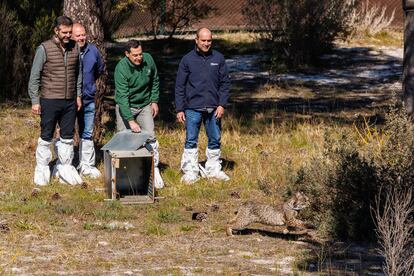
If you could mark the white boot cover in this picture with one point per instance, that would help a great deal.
(56, 144)
(65, 170)
(87, 159)
(43, 157)
(189, 165)
(213, 165)
(158, 182)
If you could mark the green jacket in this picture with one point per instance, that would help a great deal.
(136, 86)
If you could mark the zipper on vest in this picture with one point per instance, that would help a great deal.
(66, 73)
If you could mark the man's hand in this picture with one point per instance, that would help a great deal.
(36, 109)
(78, 103)
(219, 112)
(181, 117)
(134, 126)
(155, 109)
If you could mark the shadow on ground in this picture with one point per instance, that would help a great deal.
(351, 83)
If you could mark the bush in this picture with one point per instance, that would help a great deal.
(342, 185)
(298, 32)
(114, 12)
(370, 19)
(11, 50)
(345, 181)
(21, 30)
(395, 229)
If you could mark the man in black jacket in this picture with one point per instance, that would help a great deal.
(201, 95)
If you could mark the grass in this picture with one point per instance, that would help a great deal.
(385, 38)
(263, 149)
(269, 153)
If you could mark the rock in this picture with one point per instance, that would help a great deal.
(35, 192)
(103, 243)
(115, 225)
(16, 270)
(201, 216)
(215, 207)
(4, 228)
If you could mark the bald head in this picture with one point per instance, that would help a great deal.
(203, 40)
(203, 31)
(79, 34)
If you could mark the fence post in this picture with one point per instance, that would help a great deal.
(163, 11)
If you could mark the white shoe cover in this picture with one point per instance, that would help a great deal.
(56, 144)
(87, 159)
(43, 157)
(189, 165)
(65, 170)
(213, 165)
(158, 182)
(189, 178)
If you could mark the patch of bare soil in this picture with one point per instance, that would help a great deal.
(352, 82)
(253, 252)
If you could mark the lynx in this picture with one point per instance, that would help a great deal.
(283, 214)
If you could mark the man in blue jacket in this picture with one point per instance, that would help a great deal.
(201, 95)
(93, 67)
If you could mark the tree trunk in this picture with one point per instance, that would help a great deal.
(88, 13)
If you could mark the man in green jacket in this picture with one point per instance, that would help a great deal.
(137, 90)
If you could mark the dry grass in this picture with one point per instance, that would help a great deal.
(262, 152)
(49, 235)
(57, 235)
(388, 37)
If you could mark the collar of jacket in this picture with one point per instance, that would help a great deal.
(67, 46)
(85, 48)
(209, 53)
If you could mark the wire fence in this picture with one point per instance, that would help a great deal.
(227, 16)
(393, 5)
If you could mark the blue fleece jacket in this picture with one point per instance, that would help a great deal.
(202, 81)
(93, 67)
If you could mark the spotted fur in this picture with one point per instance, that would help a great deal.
(283, 214)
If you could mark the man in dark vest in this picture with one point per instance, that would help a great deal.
(55, 88)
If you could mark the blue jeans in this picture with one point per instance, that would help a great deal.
(85, 120)
(193, 121)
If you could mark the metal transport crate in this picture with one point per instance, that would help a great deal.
(129, 168)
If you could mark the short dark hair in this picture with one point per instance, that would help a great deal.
(63, 20)
(133, 43)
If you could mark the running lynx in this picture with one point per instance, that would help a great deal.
(283, 214)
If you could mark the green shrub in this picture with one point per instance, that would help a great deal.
(298, 32)
(24, 24)
(345, 181)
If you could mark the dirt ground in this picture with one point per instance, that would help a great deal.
(71, 251)
(356, 82)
